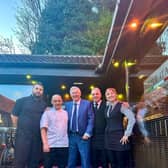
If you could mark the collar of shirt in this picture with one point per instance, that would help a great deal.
(53, 109)
(36, 98)
(112, 103)
(78, 102)
(98, 103)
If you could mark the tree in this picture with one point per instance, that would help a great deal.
(6, 46)
(61, 26)
(97, 33)
(64, 27)
(104, 4)
(27, 17)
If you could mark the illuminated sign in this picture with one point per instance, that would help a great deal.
(157, 78)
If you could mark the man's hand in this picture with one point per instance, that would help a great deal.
(46, 148)
(124, 140)
(85, 137)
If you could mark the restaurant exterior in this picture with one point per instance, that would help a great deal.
(156, 91)
(156, 98)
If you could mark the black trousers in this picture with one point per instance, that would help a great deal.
(28, 150)
(56, 157)
(117, 159)
(98, 158)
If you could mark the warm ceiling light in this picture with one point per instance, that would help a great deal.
(33, 82)
(116, 64)
(141, 76)
(90, 97)
(120, 96)
(129, 63)
(91, 87)
(155, 25)
(134, 24)
(66, 96)
(150, 24)
(28, 76)
(63, 87)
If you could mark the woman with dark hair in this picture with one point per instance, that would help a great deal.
(116, 137)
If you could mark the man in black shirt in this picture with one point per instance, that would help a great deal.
(26, 117)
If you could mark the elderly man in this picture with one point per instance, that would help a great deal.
(26, 116)
(80, 123)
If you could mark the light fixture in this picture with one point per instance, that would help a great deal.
(129, 63)
(155, 25)
(141, 76)
(78, 83)
(116, 64)
(63, 87)
(66, 96)
(89, 97)
(91, 87)
(33, 82)
(134, 25)
(120, 96)
(150, 24)
(28, 76)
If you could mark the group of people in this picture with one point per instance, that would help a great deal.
(92, 132)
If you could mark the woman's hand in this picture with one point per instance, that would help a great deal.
(124, 140)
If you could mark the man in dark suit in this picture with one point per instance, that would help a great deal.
(98, 155)
(80, 126)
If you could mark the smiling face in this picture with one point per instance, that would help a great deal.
(96, 94)
(57, 102)
(111, 95)
(75, 93)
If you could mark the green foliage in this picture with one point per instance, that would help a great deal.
(70, 27)
(97, 33)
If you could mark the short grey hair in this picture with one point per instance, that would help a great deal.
(76, 88)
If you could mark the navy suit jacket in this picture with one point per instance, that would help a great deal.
(85, 116)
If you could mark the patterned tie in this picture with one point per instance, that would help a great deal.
(96, 106)
(74, 118)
